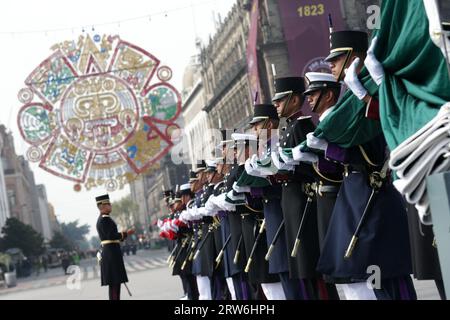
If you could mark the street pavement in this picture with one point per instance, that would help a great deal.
(149, 279)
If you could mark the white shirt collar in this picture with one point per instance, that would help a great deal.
(105, 215)
(326, 113)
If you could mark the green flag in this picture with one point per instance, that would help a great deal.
(416, 82)
(347, 125)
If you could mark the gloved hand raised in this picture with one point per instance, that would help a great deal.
(352, 81)
(372, 64)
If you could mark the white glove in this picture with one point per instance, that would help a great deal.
(173, 226)
(253, 161)
(183, 216)
(280, 165)
(352, 81)
(374, 66)
(435, 27)
(211, 207)
(304, 156)
(316, 143)
(240, 189)
(202, 211)
(166, 226)
(286, 159)
(235, 197)
(252, 168)
(423, 210)
(218, 201)
(193, 213)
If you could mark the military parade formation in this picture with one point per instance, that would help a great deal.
(293, 216)
(289, 208)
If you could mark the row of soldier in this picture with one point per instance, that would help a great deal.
(300, 218)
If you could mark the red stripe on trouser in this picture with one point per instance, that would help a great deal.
(323, 291)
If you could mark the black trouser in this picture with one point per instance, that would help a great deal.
(114, 291)
(191, 286)
(185, 285)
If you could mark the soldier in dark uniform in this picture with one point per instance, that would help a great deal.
(252, 219)
(218, 284)
(113, 272)
(231, 272)
(186, 265)
(288, 100)
(366, 198)
(240, 279)
(183, 238)
(206, 253)
(265, 117)
(322, 93)
(202, 268)
(189, 198)
(175, 245)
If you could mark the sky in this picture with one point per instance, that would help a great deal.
(28, 29)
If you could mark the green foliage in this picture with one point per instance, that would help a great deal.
(125, 212)
(16, 234)
(73, 232)
(60, 241)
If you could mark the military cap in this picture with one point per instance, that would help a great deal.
(263, 112)
(288, 85)
(103, 199)
(342, 42)
(319, 80)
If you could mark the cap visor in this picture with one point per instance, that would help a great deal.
(279, 96)
(334, 55)
(309, 91)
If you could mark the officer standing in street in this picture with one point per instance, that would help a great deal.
(113, 272)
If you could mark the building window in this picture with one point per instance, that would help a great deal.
(11, 198)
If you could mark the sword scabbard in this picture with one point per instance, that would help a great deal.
(236, 257)
(295, 248)
(351, 246)
(269, 252)
(247, 267)
(219, 256)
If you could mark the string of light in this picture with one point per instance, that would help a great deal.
(91, 26)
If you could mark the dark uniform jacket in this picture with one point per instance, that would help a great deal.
(383, 240)
(293, 202)
(112, 266)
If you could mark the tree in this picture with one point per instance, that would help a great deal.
(60, 241)
(73, 232)
(16, 234)
(125, 212)
(95, 242)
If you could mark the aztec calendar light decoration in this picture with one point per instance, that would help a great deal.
(98, 111)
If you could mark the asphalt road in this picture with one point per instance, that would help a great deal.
(149, 279)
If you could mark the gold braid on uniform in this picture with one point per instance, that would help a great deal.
(316, 169)
(251, 209)
(366, 157)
